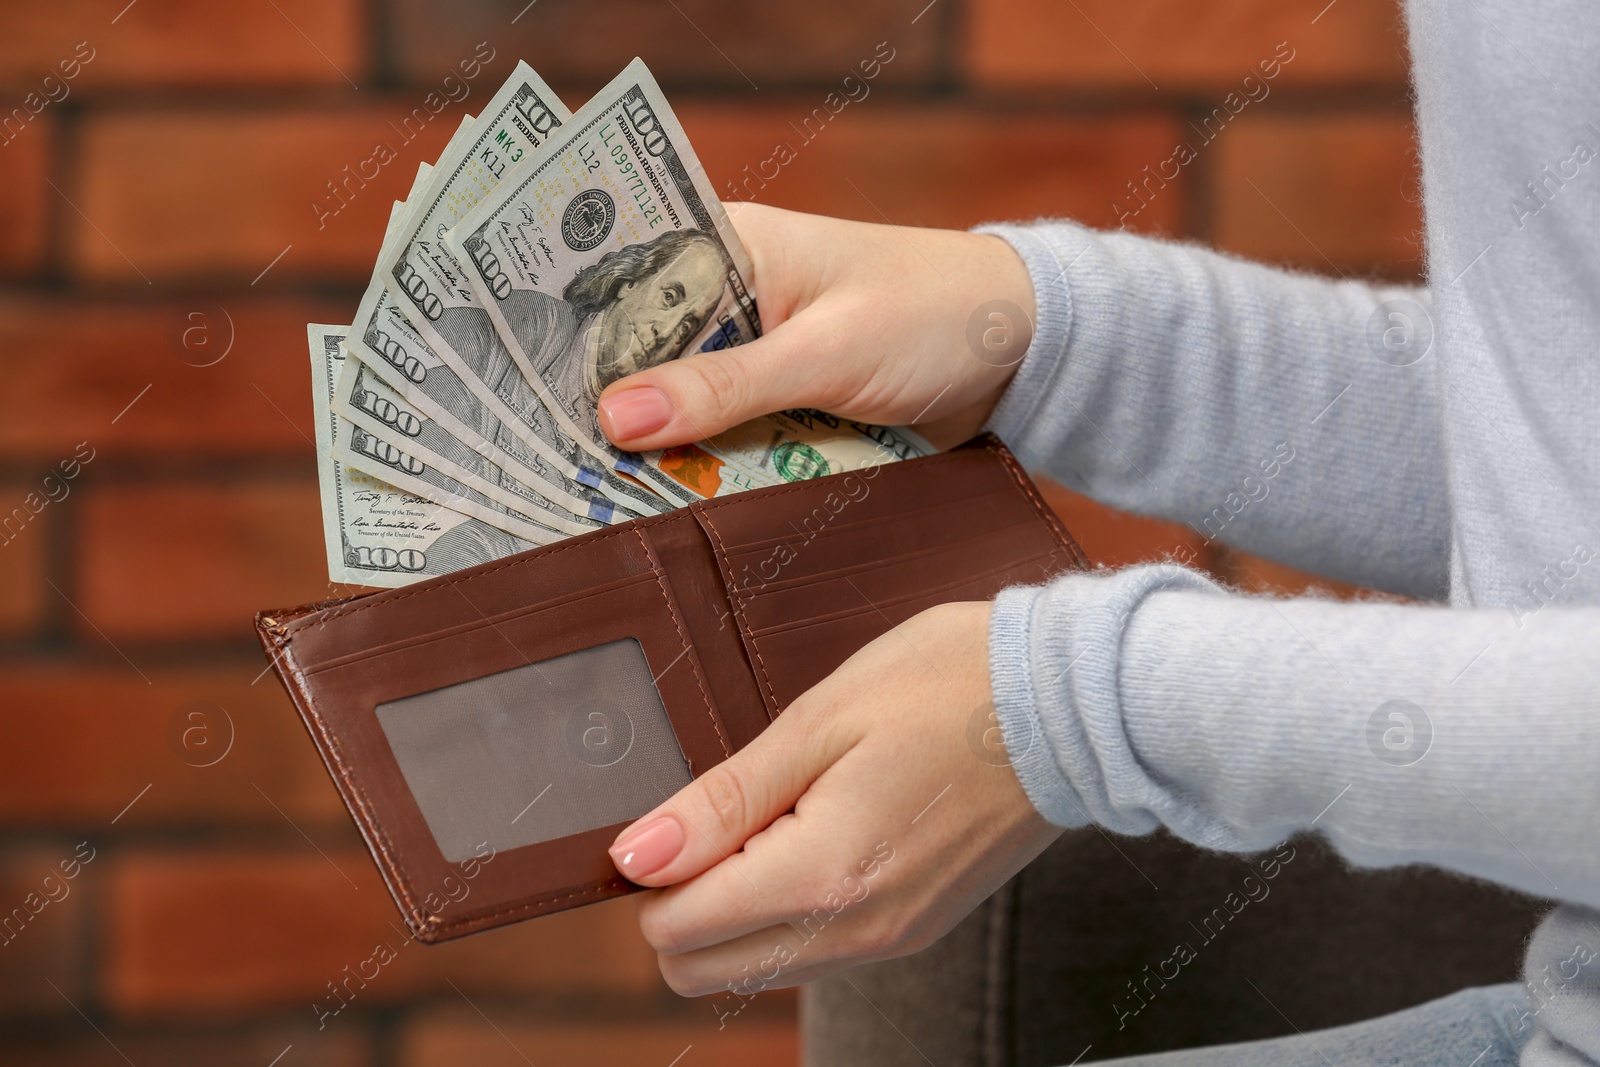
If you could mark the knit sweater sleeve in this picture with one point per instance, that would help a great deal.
(1150, 697)
(1160, 379)
(1291, 416)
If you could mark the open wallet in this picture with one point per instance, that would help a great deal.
(493, 730)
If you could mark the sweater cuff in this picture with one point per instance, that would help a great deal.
(1053, 323)
(1011, 678)
(1055, 659)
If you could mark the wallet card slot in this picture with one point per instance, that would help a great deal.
(987, 538)
(745, 547)
(382, 742)
(482, 623)
(856, 535)
(886, 579)
(798, 655)
(694, 584)
(968, 528)
(328, 632)
(1011, 573)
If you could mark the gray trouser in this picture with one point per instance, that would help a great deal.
(1107, 947)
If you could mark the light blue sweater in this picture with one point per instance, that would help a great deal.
(1443, 444)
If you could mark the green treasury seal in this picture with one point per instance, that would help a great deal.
(795, 461)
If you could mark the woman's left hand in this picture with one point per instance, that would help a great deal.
(869, 818)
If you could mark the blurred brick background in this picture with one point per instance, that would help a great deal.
(173, 187)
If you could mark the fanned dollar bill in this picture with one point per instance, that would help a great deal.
(377, 534)
(419, 283)
(604, 253)
(788, 446)
(385, 439)
(457, 421)
(409, 365)
(391, 439)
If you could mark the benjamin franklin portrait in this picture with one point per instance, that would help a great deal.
(636, 307)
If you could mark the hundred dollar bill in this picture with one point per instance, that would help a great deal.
(387, 430)
(788, 446)
(361, 450)
(432, 433)
(603, 253)
(419, 286)
(409, 365)
(377, 534)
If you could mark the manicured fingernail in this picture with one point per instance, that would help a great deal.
(649, 848)
(635, 412)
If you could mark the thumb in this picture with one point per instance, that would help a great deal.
(698, 396)
(712, 817)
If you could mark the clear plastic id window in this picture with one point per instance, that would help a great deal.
(538, 752)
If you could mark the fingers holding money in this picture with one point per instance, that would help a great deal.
(873, 323)
(697, 398)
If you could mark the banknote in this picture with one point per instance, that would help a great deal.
(386, 438)
(603, 253)
(387, 430)
(419, 282)
(377, 534)
(398, 356)
(788, 446)
(431, 433)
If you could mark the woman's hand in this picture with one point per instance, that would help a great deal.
(878, 323)
(861, 825)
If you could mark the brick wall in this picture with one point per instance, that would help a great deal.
(167, 184)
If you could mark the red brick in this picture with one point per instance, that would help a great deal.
(43, 925)
(251, 1048)
(185, 42)
(21, 561)
(723, 43)
(1117, 539)
(203, 196)
(935, 165)
(1336, 193)
(224, 934)
(196, 559)
(1180, 45)
(73, 368)
(85, 741)
(26, 199)
(463, 1036)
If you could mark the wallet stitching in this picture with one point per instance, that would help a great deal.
(596, 538)
(748, 548)
(738, 602)
(1051, 520)
(281, 638)
(473, 626)
(533, 904)
(879, 605)
(802, 581)
(738, 598)
(677, 624)
(365, 814)
(1008, 462)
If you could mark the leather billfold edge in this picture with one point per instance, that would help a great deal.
(738, 605)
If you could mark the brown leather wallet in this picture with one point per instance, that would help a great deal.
(493, 730)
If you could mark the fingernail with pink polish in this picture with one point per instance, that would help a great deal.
(635, 412)
(648, 849)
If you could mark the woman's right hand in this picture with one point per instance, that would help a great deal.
(882, 324)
